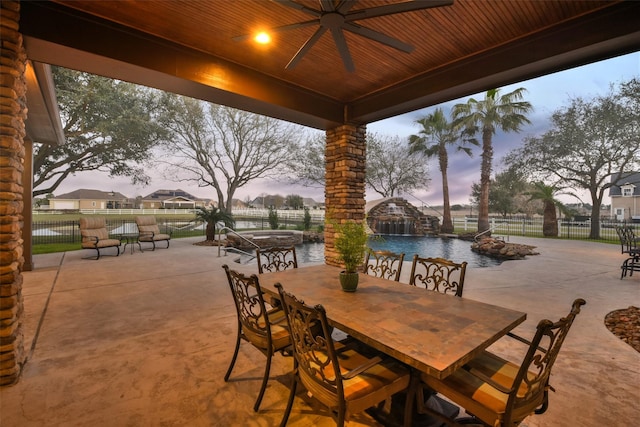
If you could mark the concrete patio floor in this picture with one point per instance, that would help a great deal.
(144, 339)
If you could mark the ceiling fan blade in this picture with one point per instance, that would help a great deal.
(298, 6)
(305, 47)
(345, 6)
(379, 37)
(391, 9)
(279, 29)
(327, 5)
(343, 49)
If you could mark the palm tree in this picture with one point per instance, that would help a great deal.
(495, 112)
(212, 217)
(432, 140)
(547, 194)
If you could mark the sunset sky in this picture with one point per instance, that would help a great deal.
(547, 94)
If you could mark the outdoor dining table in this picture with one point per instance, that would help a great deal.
(430, 331)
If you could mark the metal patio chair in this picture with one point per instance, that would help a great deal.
(385, 264)
(499, 393)
(342, 377)
(438, 274)
(630, 245)
(275, 259)
(265, 329)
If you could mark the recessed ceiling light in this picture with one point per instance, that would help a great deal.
(262, 37)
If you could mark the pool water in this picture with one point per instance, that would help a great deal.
(450, 248)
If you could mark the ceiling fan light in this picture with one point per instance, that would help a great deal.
(262, 37)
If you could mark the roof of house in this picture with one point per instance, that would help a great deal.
(308, 201)
(84, 194)
(627, 178)
(170, 194)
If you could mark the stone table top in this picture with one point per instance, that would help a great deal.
(433, 332)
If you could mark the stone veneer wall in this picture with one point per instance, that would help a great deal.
(13, 112)
(345, 157)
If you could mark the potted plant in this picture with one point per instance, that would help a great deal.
(351, 244)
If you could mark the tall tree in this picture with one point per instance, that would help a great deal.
(108, 124)
(307, 166)
(391, 168)
(222, 147)
(432, 140)
(294, 201)
(504, 193)
(590, 146)
(495, 112)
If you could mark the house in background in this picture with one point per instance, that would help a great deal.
(172, 199)
(280, 202)
(625, 197)
(239, 204)
(310, 203)
(90, 199)
(276, 201)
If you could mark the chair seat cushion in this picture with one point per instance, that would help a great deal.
(384, 375)
(155, 237)
(105, 243)
(475, 395)
(380, 375)
(499, 370)
(279, 333)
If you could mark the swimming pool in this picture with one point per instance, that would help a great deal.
(426, 246)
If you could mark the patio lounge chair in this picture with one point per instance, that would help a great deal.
(95, 235)
(150, 232)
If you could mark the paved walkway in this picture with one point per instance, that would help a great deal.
(144, 339)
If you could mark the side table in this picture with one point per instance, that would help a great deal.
(131, 239)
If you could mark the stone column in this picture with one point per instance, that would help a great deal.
(13, 112)
(345, 157)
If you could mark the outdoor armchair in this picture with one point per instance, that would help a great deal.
(148, 231)
(95, 235)
(344, 378)
(499, 393)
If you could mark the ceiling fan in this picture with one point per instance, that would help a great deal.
(336, 16)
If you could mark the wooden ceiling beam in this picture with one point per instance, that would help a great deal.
(594, 37)
(60, 36)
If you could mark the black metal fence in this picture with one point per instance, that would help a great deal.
(69, 231)
(532, 227)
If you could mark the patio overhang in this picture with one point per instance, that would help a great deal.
(43, 124)
(153, 45)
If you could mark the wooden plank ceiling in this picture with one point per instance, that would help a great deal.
(459, 49)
